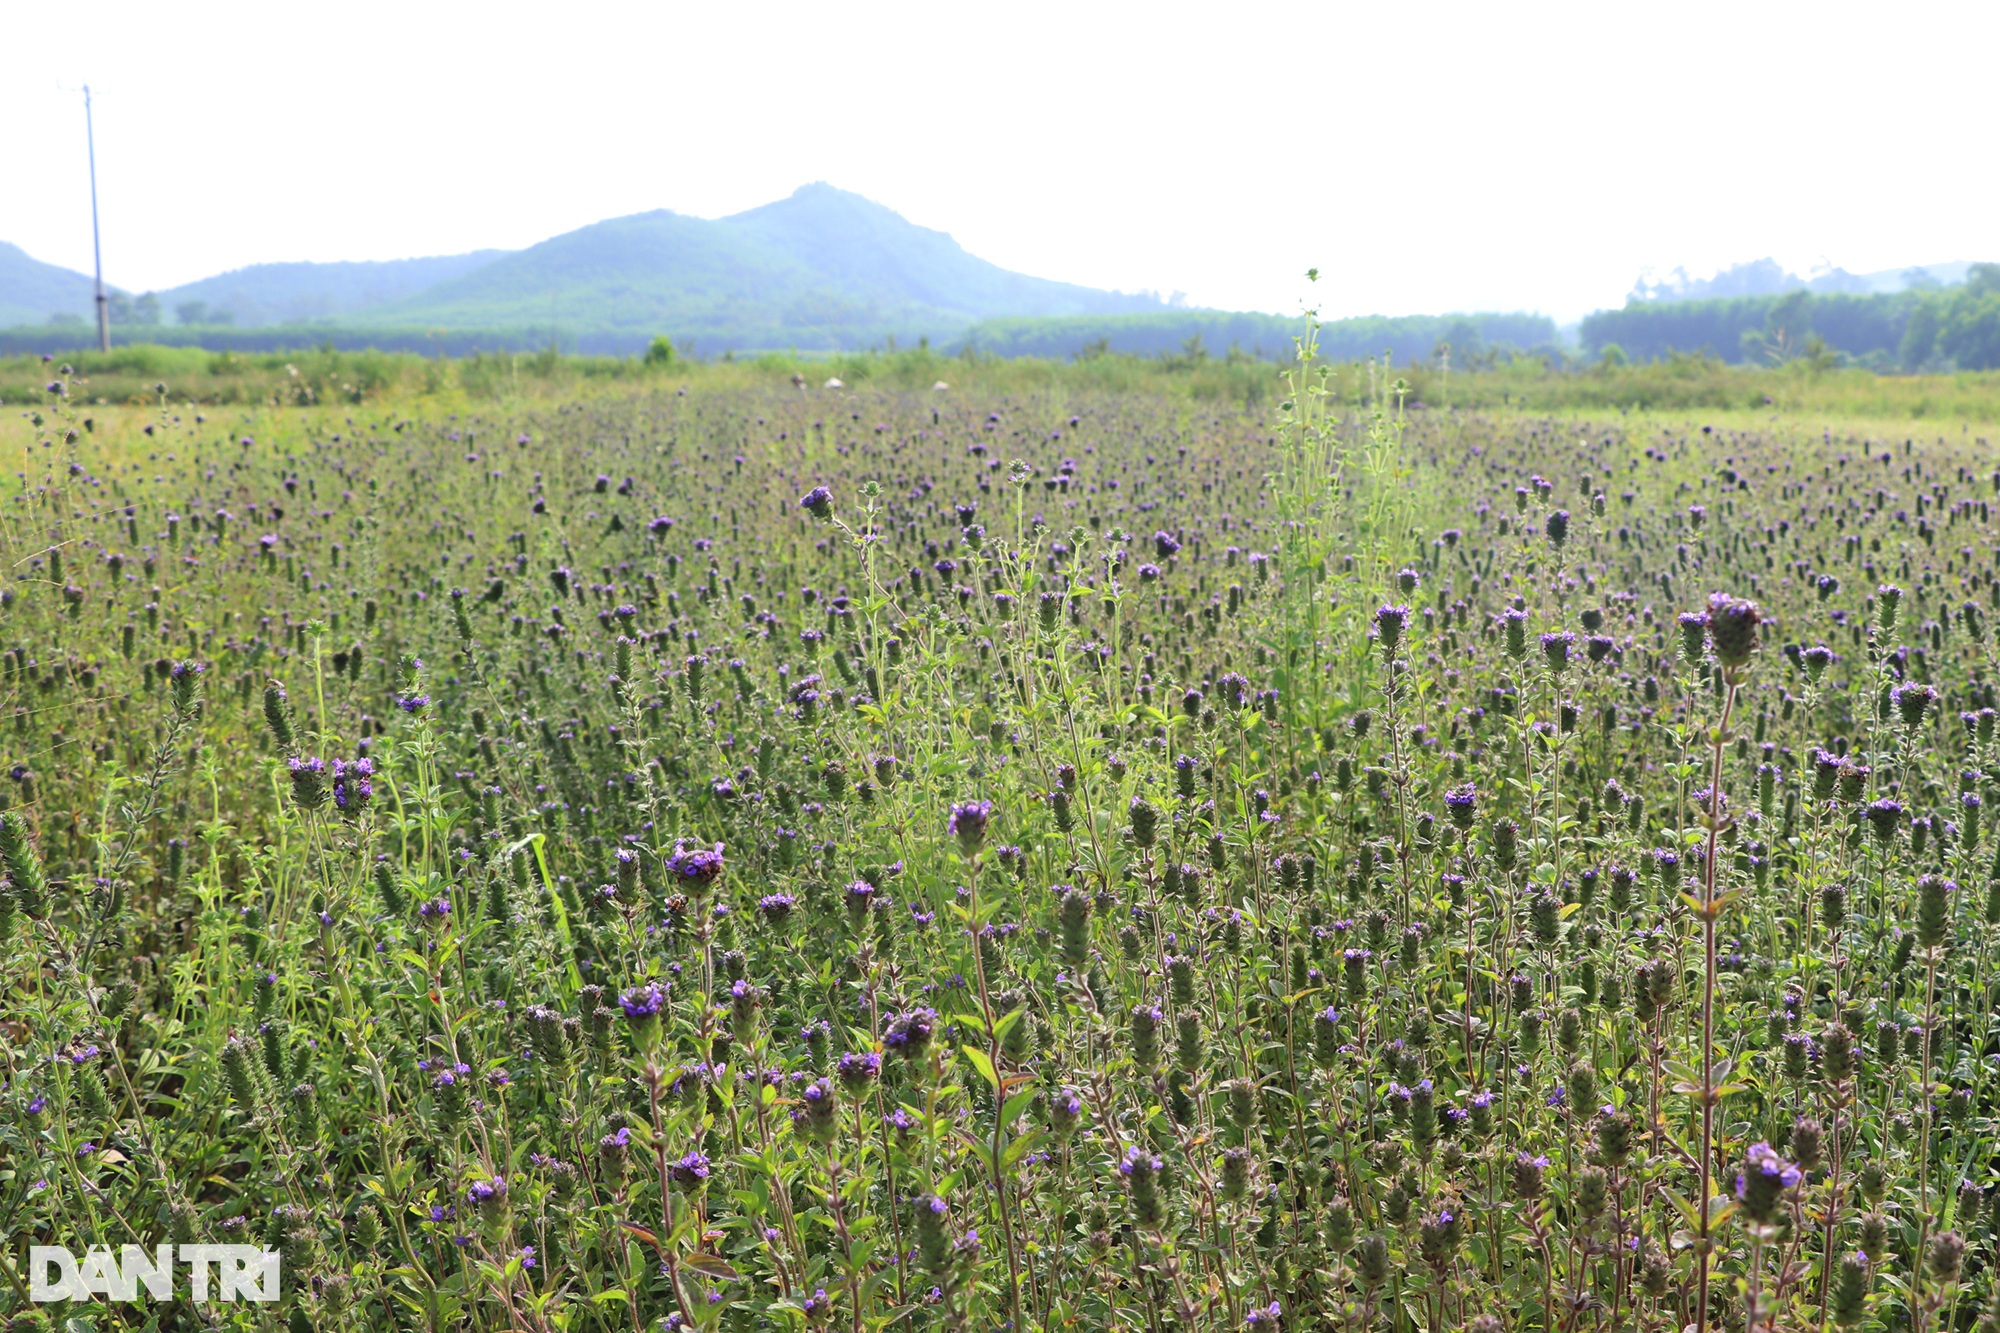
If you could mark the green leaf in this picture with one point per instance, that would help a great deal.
(983, 1063)
(979, 1150)
(638, 1232)
(1018, 1149)
(1016, 1104)
(711, 1265)
(608, 1295)
(556, 909)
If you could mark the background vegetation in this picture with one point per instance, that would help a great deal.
(1909, 330)
(136, 375)
(1188, 333)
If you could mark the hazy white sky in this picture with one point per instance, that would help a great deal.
(1431, 157)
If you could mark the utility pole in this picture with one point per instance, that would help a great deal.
(96, 246)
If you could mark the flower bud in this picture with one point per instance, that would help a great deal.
(1144, 1031)
(1371, 1262)
(1947, 1257)
(1592, 1191)
(1235, 1174)
(1145, 819)
(1888, 598)
(1694, 637)
(1614, 1138)
(1732, 628)
(1241, 1096)
(1527, 1176)
(1850, 1289)
(1934, 899)
(1339, 1224)
(1837, 1054)
(1190, 1052)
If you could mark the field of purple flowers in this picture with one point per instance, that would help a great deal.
(770, 859)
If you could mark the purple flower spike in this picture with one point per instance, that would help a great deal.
(968, 822)
(643, 1002)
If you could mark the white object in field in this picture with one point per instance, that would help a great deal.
(939, 387)
(835, 384)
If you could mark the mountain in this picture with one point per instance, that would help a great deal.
(262, 294)
(31, 291)
(1922, 277)
(827, 269)
(1767, 277)
(297, 293)
(649, 273)
(822, 268)
(857, 245)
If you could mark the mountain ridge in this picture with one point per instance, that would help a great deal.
(822, 268)
(303, 290)
(1767, 277)
(31, 291)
